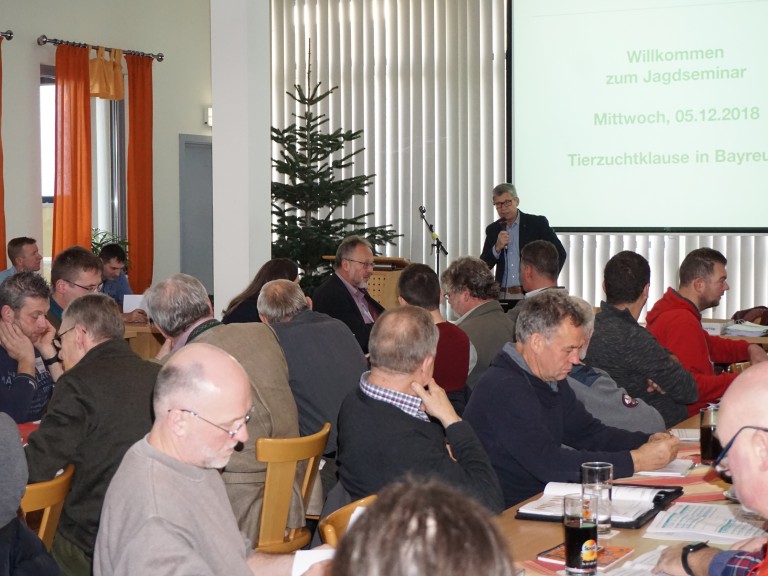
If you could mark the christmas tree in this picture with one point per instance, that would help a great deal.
(317, 182)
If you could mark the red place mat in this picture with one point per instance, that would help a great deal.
(26, 429)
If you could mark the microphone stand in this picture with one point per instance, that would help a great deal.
(438, 246)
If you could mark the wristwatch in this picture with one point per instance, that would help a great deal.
(52, 360)
(687, 550)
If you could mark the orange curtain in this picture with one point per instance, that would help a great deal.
(139, 193)
(3, 263)
(72, 189)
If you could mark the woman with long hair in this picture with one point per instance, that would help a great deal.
(243, 307)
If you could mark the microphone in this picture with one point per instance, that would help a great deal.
(422, 209)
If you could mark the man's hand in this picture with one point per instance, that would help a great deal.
(502, 240)
(44, 343)
(435, 402)
(658, 436)
(757, 354)
(135, 317)
(653, 387)
(659, 451)
(18, 346)
(671, 561)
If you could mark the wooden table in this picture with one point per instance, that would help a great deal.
(144, 340)
(526, 538)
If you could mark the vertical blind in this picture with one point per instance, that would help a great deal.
(425, 81)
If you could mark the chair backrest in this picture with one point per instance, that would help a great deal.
(282, 456)
(49, 497)
(739, 367)
(333, 526)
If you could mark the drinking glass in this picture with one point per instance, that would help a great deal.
(597, 481)
(580, 524)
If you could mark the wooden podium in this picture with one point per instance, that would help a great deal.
(382, 285)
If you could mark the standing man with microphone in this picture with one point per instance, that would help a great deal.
(505, 237)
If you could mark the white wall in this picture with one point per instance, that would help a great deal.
(182, 88)
(242, 171)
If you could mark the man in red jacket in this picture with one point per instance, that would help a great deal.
(675, 321)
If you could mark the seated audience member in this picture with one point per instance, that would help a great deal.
(21, 551)
(385, 429)
(324, 362)
(115, 280)
(472, 293)
(600, 394)
(101, 406)
(182, 312)
(675, 321)
(529, 420)
(344, 294)
(75, 271)
(29, 364)
(539, 268)
(23, 256)
(166, 509)
(244, 307)
(418, 285)
(629, 352)
(422, 529)
(743, 431)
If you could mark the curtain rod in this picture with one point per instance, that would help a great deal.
(43, 40)
(8, 34)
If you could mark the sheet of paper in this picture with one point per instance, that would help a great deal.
(678, 468)
(303, 559)
(133, 301)
(716, 523)
(640, 566)
(687, 434)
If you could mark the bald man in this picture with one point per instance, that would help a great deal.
(166, 510)
(743, 431)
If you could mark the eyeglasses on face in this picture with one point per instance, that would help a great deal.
(505, 204)
(363, 264)
(59, 336)
(92, 288)
(721, 462)
(231, 433)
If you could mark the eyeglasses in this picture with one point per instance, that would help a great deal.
(57, 339)
(505, 204)
(231, 433)
(721, 462)
(363, 264)
(95, 288)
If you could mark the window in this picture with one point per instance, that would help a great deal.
(108, 158)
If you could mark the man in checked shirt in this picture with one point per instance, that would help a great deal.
(743, 431)
(399, 421)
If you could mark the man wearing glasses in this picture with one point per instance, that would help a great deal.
(166, 510)
(101, 406)
(505, 237)
(344, 295)
(743, 431)
(74, 272)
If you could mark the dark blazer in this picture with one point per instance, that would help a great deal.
(333, 298)
(532, 228)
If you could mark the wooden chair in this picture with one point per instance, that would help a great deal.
(333, 526)
(49, 497)
(739, 367)
(282, 456)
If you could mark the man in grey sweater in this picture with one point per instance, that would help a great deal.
(628, 352)
(166, 510)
